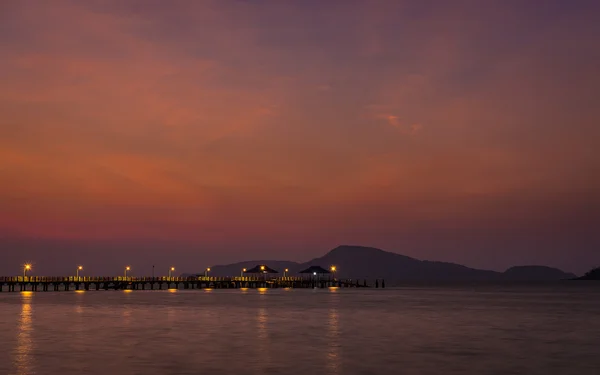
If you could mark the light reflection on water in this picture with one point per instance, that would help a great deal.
(333, 338)
(331, 331)
(24, 360)
(262, 339)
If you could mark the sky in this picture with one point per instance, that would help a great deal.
(194, 133)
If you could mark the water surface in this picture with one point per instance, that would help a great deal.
(487, 329)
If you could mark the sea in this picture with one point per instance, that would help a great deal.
(546, 328)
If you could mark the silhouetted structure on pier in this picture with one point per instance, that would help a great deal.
(315, 270)
(261, 269)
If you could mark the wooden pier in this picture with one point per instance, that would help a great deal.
(55, 284)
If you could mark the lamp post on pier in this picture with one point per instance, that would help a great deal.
(206, 271)
(79, 268)
(171, 270)
(26, 268)
(242, 273)
(285, 272)
(333, 270)
(127, 269)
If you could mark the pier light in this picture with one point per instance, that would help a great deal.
(26, 267)
(262, 268)
(128, 268)
(171, 270)
(79, 268)
(314, 273)
(285, 272)
(333, 269)
(242, 273)
(206, 271)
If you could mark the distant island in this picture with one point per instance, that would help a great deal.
(360, 262)
(590, 275)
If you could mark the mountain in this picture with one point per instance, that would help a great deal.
(536, 273)
(360, 262)
(591, 275)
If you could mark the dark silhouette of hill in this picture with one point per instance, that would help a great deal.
(360, 262)
(591, 275)
(536, 273)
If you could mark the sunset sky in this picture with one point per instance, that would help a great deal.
(195, 133)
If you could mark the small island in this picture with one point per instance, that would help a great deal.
(591, 275)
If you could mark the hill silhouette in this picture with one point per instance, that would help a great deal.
(360, 262)
(538, 273)
(591, 275)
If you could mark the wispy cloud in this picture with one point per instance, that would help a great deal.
(395, 122)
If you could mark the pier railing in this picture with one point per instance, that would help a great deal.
(57, 283)
(46, 279)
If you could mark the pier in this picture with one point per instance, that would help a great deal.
(73, 283)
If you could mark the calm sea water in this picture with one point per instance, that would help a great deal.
(501, 329)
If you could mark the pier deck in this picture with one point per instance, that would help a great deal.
(45, 284)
